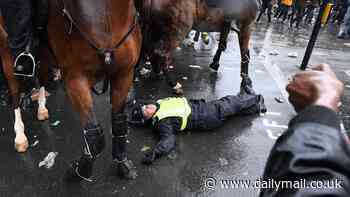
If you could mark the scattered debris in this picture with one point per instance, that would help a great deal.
(145, 71)
(148, 63)
(223, 162)
(195, 66)
(293, 55)
(274, 53)
(49, 160)
(145, 148)
(36, 142)
(172, 155)
(279, 99)
(56, 123)
(185, 78)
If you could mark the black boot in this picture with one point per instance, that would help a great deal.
(94, 143)
(81, 169)
(258, 108)
(246, 86)
(124, 166)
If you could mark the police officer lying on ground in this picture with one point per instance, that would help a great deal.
(313, 148)
(170, 115)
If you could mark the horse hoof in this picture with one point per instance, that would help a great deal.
(21, 143)
(80, 170)
(215, 66)
(126, 169)
(43, 114)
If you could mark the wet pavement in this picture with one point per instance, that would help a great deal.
(236, 151)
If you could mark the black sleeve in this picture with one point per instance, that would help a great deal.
(312, 149)
(166, 129)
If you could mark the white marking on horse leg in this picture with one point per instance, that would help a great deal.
(43, 113)
(21, 141)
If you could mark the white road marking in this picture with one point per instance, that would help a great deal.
(273, 124)
(273, 113)
(272, 135)
(347, 72)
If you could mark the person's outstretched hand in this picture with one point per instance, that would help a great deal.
(319, 86)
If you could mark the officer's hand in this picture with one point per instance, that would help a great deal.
(319, 86)
(149, 158)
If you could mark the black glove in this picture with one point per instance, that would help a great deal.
(149, 158)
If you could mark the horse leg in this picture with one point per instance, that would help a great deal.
(161, 61)
(21, 141)
(120, 87)
(46, 60)
(43, 113)
(244, 38)
(222, 45)
(78, 90)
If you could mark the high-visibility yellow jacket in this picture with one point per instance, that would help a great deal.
(173, 107)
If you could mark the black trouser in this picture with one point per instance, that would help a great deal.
(284, 12)
(18, 15)
(265, 5)
(309, 13)
(210, 115)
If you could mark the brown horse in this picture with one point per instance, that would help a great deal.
(166, 23)
(93, 41)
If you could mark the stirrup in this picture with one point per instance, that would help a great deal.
(18, 60)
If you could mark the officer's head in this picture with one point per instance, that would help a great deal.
(148, 111)
(141, 113)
